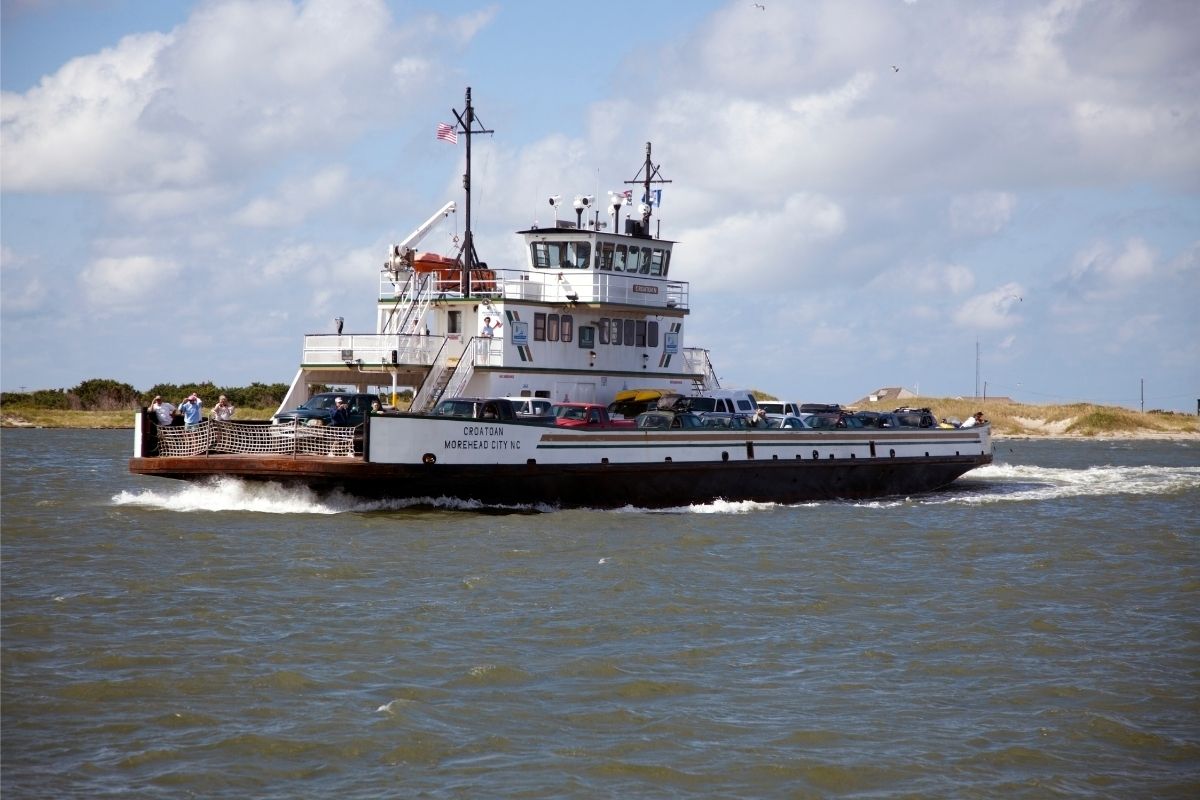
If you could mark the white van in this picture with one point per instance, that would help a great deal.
(530, 406)
(723, 401)
(779, 407)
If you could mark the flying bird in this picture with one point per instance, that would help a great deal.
(760, 6)
(895, 68)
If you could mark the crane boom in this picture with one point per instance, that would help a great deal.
(401, 256)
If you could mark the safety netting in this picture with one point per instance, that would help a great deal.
(293, 438)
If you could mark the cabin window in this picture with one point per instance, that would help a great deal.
(666, 262)
(604, 255)
(629, 336)
(616, 331)
(454, 322)
(652, 334)
(641, 333)
(539, 327)
(644, 264)
(587, 337)
(552, 328)
(566, 329)
(657, 261)
(579, 254)
(603, 330)
(631, 260)
(561, 255)
(620, 254)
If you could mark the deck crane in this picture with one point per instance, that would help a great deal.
(401, 259)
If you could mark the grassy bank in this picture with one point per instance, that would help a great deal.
(29, 417)
(1074, 419)
(1008, 419)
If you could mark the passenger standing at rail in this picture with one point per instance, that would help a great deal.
(163, 412)
(193, 411)
(223, 410)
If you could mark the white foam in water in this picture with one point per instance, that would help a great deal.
(231, 494)
(1008, 482)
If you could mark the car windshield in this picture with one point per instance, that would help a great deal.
(569, 412)
(319, 403)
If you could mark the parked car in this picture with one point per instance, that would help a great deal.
(786, 421)
(531, 406)
(318, 409)
(668, 420)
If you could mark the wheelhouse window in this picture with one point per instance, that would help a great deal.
(629, 335)
(552, 327)
(602, 330)
(658, 261)
(539, 327)
(566, 328)
(617, 328)
(652, 334)
(604, 255)
(561, 255)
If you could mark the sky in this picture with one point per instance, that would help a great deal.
(934, 195)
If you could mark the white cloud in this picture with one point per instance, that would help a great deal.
(1099, 270)
(991, 310)
(981, 213)
(113, 283)
(237, 83)
(295, 199)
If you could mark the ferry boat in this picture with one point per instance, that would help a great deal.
(597, 309)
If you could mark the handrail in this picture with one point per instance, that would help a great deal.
(542, 285)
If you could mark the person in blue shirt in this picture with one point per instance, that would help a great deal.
(192, 409)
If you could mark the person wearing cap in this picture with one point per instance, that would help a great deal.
(192, 409)
(341, 413)
(223, 410)
(164, 413)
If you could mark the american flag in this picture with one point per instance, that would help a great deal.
(447, 133)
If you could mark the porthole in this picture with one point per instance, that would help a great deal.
(429, 458)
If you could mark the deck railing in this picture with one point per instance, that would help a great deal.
(214, 437)
(549, 286)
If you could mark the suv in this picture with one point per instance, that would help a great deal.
(779, 407)
(318, 409)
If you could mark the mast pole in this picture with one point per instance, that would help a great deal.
(651, 175)
(466, 123)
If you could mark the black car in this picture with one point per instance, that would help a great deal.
(318, 409)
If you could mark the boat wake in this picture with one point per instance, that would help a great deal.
(999, 483)
(233, 494)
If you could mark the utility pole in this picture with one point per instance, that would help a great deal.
(977, 367)
(1143, 395)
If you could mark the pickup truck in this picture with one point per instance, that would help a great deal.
(586, 415)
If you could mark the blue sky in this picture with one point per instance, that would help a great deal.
(189, 187)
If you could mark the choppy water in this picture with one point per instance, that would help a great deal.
(1035, 632)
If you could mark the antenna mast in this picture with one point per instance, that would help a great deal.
(647, 175)
(467, 126)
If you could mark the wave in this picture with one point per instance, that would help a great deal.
(234, 494)
(1008, 482)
